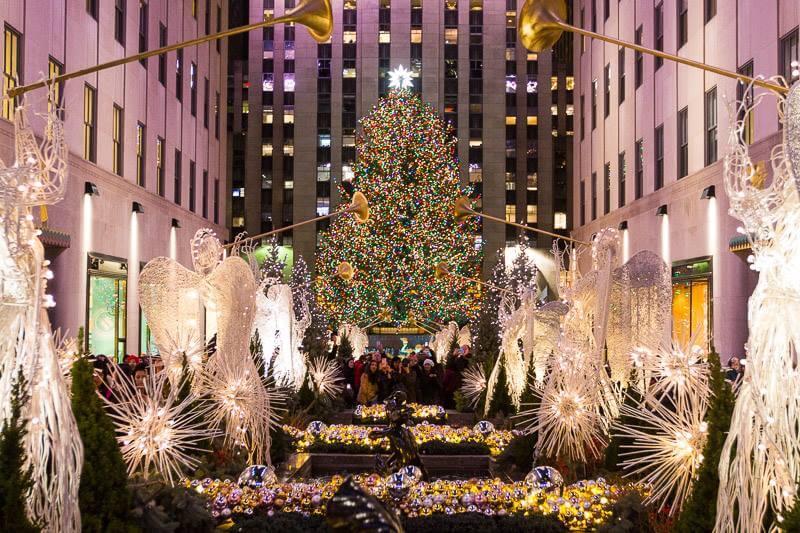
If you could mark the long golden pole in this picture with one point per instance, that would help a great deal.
(541, 23)
(442, 269)
(463, 209)
(313, 11)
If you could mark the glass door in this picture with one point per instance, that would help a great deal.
(107, 316)
(691, 302)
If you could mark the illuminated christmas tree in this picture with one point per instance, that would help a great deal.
(407, 169)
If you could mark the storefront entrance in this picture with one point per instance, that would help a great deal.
(106, 302)
(691, 301)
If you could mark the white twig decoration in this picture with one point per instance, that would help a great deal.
(326, 377)
(473, 384)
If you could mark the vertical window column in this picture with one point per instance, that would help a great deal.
(324, 52)
(416, 45)
(384, 46)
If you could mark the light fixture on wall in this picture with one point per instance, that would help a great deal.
(709, 192)
(137, 208)
(623, 225)
(90, 189)
(662, 210)
(176, 223)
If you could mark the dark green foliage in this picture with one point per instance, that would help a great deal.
(272, 265)
(486, 330)
(15, 479)
(629, 515)
(699, 511)
(162, 509)
(501, 401)
(315, 339)
(345, 351)
(279, 447)
(519, 453)
(611, 458)
(791, 520)
(105, 501)
(440, 523)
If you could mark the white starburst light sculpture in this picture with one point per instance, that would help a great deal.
(473, 384)
(158, 431)
(678, 372)
(666, 447)
(326, 377)
(400, 78)
(760, 461)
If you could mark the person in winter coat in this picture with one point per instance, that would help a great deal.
(429, 383)
(368, 388)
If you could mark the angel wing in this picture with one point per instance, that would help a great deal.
(546, 330)
(640, 303)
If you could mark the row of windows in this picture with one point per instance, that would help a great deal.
(682, 7)
(658, 178)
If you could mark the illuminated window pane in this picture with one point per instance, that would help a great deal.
(511, 213)
(416, 36)
(560, 220)
(531, 214)
(451, 36)
(266, 149)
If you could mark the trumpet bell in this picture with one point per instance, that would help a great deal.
(360, 207)
(463, 209)
(539, 20)
(345, 271)
(316, 16)
(441, 270)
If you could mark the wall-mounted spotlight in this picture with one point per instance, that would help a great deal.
(90, 189)
(662, 210)
(137, 208)
(623, 225)
(709, 192)
(176, 223)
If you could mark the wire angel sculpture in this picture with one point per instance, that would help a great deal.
(54, 451)
(441, 341)
(760, 462)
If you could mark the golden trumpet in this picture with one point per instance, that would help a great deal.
(345, 271)
(359, 207)
(315, 15)
(541, 23)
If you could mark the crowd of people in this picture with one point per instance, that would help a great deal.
(373, 376)
(132, 371)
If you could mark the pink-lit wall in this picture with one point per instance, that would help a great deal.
(740, 31)
(66, 32)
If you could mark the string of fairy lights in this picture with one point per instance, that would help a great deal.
(407, 167)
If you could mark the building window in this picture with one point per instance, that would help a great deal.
(205, 102)
(594, 16)
(219, 29)
(91, 8)
(140, 161)
(745, 93)
(607, 10)
(607, 188)
(710, 9)
(216, 201)
(193, 89)
(178, 169)
(683, 22)
(192, 185)
(583, 39)
(789, 53)
(638, 156)
(594, 104)
(658, 180)
(160, 182)
(89, 123)
(511, 213)
(683, 142)
(12, 71)
(162, 59)
(143, 13)
(204, 207)
(621, 171)
(621, 74)
(711, 126)
(179, 75)
(116, 140)
(659, 33)
(607, 92)
(559, 220)
(583, 203)
(594, 195)
(119, 21)
(583, 114)
(207, 18)
(216, 114)
(638, 60)
(531, 213)
(56, 69)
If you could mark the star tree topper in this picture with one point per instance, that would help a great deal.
(400, 78)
